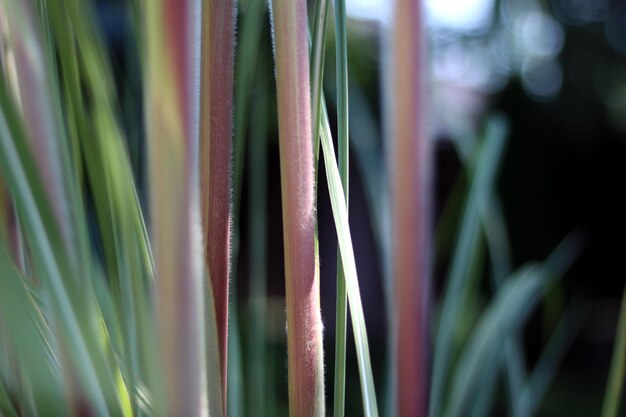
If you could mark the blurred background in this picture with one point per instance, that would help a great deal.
(556, 70)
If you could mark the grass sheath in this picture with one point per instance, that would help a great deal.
(410, 172)
(218, 46)
(304, 324)
(175, 204)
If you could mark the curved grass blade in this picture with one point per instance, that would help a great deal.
(340, 215)
(515, 300)
(546, 367)
(71, 312)
(484, 175)
(612, 396)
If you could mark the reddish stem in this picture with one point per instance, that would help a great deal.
(304, 325)
(410, 175)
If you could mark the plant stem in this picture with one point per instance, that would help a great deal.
(175, 204)
(304, 324)
(410, 176)
(218, 48)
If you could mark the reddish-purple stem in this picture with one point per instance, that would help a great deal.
(410, 169)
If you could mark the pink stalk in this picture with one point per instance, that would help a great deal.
(175, 204)
(304, 324)
(410, 175)
(218, 46)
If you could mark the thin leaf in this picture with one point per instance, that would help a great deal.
(341, 319)
(486, 167)
(340, 215)
(516, 299)
(612, 396)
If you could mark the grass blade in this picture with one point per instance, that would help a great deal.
(618, 366)
(516, 299)
(343, 145)
(340, 216)
(544, 371)
(486, 167)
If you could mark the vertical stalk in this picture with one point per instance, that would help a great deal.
(410, 172)
(304, 324)
(341, 319)
(218, 47)
(175, 204)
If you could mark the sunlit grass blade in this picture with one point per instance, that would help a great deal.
(482, 181)
(86, 73)
(304, 324)
(340, 216)
(172, 136)
(29, 336)
(615, 383)
(55, 266)
(506, 313)
(216, 112)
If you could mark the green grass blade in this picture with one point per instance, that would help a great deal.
(257, 345)
(246, 66)
(618, 367)
(486, 167)
(340, 215)
(341, 320)
(318, 44)
(506, 313)
(55, 271)
(543, 373)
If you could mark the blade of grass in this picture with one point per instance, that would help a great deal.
(257, 346)
(340, 216)
(70, 312)
(318, 44)
(510, 308)
(612, 396)
(484, 175)
(341, 320)
(547, 366)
